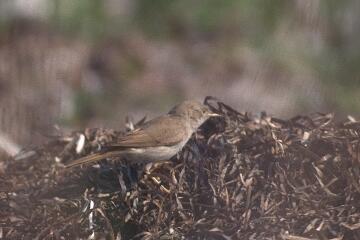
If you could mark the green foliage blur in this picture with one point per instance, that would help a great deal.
(255, 23)
(315, 38)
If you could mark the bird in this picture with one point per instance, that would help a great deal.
(158, 139)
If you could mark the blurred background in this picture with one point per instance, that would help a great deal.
(79, 64)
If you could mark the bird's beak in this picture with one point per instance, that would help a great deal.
(214, 115)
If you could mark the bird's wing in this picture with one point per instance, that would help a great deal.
(160, 131)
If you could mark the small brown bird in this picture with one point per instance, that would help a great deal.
(158, 139)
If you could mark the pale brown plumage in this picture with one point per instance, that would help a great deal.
(157, 139)
(148, 135)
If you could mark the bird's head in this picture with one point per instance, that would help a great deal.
(194, 111)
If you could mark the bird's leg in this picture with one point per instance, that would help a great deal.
(132, 172)
(127, 174)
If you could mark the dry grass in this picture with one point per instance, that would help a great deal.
(239, 177)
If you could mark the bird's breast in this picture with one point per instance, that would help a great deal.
(150, 154)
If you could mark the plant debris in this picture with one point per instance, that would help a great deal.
(239, 177)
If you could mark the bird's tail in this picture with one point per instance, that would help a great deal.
(92, 158)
